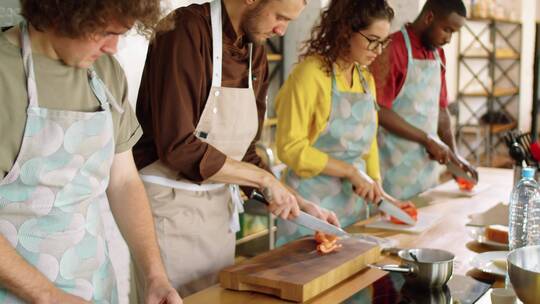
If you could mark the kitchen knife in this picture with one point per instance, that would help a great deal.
(396, 212)
(457, 171)
(316, 224)
(306, 220)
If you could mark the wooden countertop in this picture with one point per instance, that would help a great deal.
(449, 234)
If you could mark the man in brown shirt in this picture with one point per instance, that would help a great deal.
(201, 114)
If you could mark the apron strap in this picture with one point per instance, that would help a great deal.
(217, 46)
(28, 64)
(234, 190)
(99, 89)
(409, 48)
(250, 72)
(407, 44)
(102, 93)
(363, 80)
(237, 208)
(438, 58)
(334, 80)
(176, 184)
(217, 42)
(365, 85)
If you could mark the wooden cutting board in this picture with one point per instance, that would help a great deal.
(296, 272)
(425, 221)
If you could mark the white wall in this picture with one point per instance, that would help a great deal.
(528, 12)
(132, 52)
(299, 31)
(9, 12)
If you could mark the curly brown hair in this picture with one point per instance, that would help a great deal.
(330, 37)
(76, 18)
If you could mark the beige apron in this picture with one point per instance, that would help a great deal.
(196, 224)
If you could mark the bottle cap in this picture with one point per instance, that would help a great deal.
(527, 172)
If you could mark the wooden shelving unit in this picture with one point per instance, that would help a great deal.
(488, 86)
(497, 92)
(274, 57)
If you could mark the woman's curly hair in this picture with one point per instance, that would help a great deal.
(330, 37)
(77, 18)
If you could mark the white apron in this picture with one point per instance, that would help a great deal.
(196, 224)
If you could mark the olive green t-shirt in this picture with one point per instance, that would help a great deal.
(60, 87)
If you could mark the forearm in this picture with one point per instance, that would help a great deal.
(338, 168)
(444, 129)
(395, 124)
(21, 278)
(137, 226)
(243, 174)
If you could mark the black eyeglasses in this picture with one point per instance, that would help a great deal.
(373, 44)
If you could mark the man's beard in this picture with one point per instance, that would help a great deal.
(249, 26)
(426, 41)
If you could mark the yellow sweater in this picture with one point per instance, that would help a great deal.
(303, 108)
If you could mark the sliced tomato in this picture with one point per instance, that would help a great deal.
(331, 237)
(320, 237)
(410, 209)
(325, 248)
(464, 185)
(326, 242)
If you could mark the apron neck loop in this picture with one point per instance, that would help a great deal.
(363, 80)
(407, 43)
(28, 63)
(102, 93)
(98, 87)
(438, 58)
(217, 46)
(217, 41)
(409, 48)
(250, 73)
(334, 77)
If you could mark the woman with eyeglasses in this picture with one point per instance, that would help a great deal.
(327, 114)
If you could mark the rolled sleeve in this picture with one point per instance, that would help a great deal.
(170, 99)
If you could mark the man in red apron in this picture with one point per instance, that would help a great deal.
(201, 103)
(65, 156)
(411, 89)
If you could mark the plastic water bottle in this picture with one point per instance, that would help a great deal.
(533, 221)
(523, 197)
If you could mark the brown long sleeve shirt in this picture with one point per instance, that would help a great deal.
(175, 85)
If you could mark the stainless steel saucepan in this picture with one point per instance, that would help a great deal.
(424, 268)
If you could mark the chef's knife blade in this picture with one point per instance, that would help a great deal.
(396, 212)
(306, 220)
(457, 171)
(316, 224)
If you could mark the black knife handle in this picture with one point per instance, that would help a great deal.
(258, 196)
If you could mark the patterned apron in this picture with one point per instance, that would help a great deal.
(351, 129)
(196, 224)
(52, 199)
(406, 167)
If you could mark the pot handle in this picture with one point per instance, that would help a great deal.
(393, 268)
